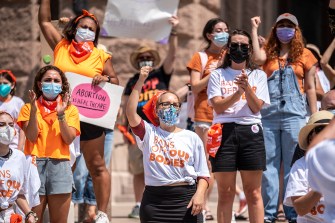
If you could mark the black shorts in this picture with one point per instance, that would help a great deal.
(89, 131)
(242, 148)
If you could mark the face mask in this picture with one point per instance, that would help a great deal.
(84, 35)
(284, 34)
(239, 53)
(168, 116)
(4, 90)
(220, 39)
(7, 134)
(145, 63)
(51, 90)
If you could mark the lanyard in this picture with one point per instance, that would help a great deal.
(281, 73)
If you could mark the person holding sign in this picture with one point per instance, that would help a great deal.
(237, 93)
(77, 52)
(51, 124)
(13, 175)
(176, 172)
(159, 79)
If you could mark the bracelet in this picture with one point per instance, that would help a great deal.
(173, 32)
(31, 213)
(108, 79)
(61, 118)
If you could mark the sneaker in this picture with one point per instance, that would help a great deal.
(233, 220)
(101, 217)
(268, 221)
(243, 207)
(135, 213)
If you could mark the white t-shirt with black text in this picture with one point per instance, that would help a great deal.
(221, 83)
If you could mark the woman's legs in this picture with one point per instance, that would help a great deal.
(93, 151)
(39, 209)
(226, 191)
(59, 206)
(252, 181)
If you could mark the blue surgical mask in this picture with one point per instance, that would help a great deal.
(84, 35)
(168, 116)
(51, 90)
(5, 90)
(220, 39)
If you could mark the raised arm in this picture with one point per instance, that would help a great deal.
(327, 69)
(259, 55)
(131, 110)
(309, 85)
(50, 32)
(168, 64)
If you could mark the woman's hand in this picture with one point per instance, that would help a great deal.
(255, 21)
(144, 72)
(97, 79)
(174, 21)
(61, 106)
(32, 97)
(197, 203)
(31, 219)
(242, 81)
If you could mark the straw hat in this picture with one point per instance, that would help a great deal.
(317, 119)
(314, 48)
(144, 49)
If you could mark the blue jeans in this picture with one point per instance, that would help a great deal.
(83, 181)
(282, 121)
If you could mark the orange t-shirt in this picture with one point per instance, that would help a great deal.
(300, 67)
(203, 112)
(49, 141)
(90, 67)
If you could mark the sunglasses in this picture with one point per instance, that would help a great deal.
(236, 45)
(169, 104)
(142, 58)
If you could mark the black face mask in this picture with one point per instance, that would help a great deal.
(239, 52)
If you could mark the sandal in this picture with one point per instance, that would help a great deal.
(281, 216)
(208, 216)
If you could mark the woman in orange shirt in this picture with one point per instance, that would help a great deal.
(77, 52)
(51, 123)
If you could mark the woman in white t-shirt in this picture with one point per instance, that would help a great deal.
(13, 175)
(237, 94)
(11, 104)
(309, 204)
(175, 167)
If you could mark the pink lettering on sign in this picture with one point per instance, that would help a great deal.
(92, 102)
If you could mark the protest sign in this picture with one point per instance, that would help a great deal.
(147, 19)
(97, 105)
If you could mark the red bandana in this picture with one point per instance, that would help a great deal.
(80, 51)
(48, 109)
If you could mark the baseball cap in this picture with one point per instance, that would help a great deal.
(289, 17)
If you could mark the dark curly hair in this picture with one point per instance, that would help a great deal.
(272, 46)
(70, 29)
(209, 28)
(40, 74)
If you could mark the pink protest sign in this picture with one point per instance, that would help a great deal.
(92, 102)
(97, 105)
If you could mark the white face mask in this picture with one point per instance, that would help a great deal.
(7, 134)
(84, 35)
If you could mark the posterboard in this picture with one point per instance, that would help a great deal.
(144, 19)
(97, 105)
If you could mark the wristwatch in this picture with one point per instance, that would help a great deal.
(108, 79)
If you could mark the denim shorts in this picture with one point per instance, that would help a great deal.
(55, 175)
(203, 125)
(242, 148)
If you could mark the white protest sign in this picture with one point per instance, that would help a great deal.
(147, 19)
(97, 105)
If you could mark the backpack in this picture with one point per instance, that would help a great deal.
(190, 96)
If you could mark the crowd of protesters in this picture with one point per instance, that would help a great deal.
(253, 108)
